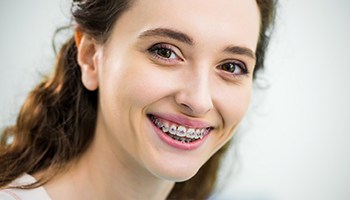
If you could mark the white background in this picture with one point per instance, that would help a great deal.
(295, 142)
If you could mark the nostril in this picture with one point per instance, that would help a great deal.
(195, 104)
(186, 106)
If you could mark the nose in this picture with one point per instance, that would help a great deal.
(194, 98)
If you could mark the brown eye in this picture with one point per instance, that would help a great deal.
(163, 52)
(229, 67)
(233, 68)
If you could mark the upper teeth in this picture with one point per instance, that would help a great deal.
(181, 131)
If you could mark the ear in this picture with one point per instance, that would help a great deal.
(87, 51)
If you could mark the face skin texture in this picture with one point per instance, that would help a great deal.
(168, 58)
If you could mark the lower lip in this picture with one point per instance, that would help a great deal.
(177, 144)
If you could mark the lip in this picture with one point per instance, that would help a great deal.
(180, 120)
(177, 144)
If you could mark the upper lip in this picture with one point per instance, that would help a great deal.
(181, 120)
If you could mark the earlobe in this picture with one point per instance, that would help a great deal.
(87, 50)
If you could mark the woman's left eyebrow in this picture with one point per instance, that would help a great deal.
(170, 33)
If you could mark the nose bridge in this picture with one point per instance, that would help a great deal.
(195, 94)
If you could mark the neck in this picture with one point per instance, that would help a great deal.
(103, 174)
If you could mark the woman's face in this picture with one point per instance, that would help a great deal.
(174, 82)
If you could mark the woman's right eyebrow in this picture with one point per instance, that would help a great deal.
(170, 33)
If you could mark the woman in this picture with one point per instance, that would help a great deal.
(143, 103)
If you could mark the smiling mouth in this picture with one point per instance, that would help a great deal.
(180, 132)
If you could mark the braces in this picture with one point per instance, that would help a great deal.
(180, 133)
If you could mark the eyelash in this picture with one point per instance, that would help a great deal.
(155, 52)
(237, 65)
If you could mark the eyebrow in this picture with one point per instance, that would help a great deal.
(165, 32)
(240, 51)
(182, 37)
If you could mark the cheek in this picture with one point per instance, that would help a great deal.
(233, 104)
(147, 84)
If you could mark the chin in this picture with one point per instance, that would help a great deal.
(175, 171)
(177, 176)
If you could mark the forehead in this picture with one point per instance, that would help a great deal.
(217, 21)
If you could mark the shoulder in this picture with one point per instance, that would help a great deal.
(19, 194)
(24, 194)
(8, 195)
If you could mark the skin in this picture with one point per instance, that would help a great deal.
(127, 160)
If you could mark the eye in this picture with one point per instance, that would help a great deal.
(235, 68)
(165, 52)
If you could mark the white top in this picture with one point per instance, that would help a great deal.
(22, 194)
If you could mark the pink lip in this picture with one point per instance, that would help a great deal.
(180, 120)
(177, 144)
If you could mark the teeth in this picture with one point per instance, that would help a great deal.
(158, 123)
(202, 133)
(197, 134)
(172, 130)
(190, 133)
(181, 131)
(165, 127)
(206, 131)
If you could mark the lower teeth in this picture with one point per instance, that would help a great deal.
(180, 139)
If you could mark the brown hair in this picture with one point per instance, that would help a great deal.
(57, 121)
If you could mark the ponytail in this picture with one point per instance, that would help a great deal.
(55, 125)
